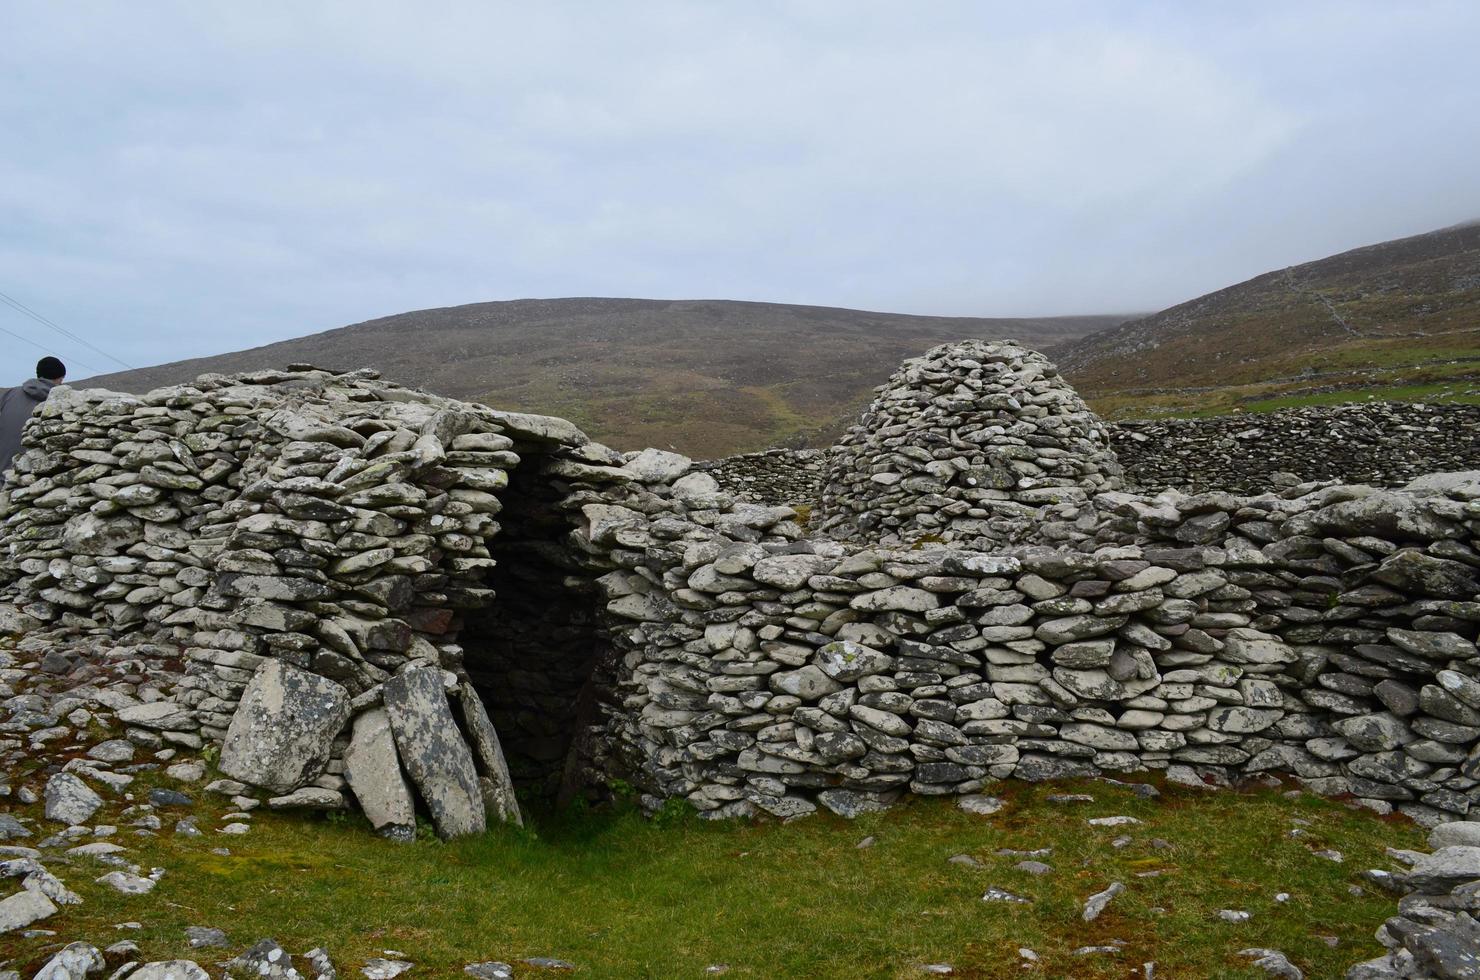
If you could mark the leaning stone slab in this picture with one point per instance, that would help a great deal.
(433, 751)
(373, 769)
(284, 727)
(493, 770)
(13, 622)
(75, 962)
(1446, 868)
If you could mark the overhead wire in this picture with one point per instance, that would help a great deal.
(45, 350)
(25, 310)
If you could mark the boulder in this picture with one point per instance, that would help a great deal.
(657, 466)
(284, 727)
(22, 909)
(848, 661)
(90, 534)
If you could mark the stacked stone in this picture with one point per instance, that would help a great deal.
(1379, 443)
(775, 476)
(335, 606)
(298, 530)
(1435, 935)
(969, 445)
(1329, 633)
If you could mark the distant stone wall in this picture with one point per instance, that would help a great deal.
(777, 476)
(1382, 443)
(1385, 444)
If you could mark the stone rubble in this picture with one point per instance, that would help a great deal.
(1435, 935)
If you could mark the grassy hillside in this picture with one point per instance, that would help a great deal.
(1398, 319)
(706, 377)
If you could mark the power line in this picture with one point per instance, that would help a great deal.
(45, 350)
(17, 305)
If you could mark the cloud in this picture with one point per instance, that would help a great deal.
(181, 179)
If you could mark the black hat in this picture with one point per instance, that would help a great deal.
(50, 369)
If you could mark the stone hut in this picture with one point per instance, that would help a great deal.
(972, 444)
(371, 596)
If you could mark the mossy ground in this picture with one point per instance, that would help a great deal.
(621, 896)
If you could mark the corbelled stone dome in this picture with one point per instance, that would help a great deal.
(977, 442)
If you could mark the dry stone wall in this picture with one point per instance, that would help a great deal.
(1384, 444)
(1380, 443)
(378, 596)
(778, 476)
(1330, 634)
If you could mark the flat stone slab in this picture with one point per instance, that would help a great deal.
(170, 970)
(24, 908)
(493, 770)
(159, 715)
(373, 768)
(284, 727)
(69, 800)
(433, 751)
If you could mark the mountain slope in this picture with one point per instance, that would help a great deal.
(1400, 311)
(707, 377)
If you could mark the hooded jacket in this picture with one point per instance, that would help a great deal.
(16, 406)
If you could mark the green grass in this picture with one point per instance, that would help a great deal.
(1443, 393)
(621, 896)
(1442, 385)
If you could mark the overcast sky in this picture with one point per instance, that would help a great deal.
(185, 179)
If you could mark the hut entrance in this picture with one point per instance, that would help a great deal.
(537, 655)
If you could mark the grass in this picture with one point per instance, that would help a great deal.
(1440, 384)
(1437, 394)
(621, 896)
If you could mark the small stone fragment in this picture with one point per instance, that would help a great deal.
(1096, 903)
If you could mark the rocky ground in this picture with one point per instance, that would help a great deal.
(86, 735)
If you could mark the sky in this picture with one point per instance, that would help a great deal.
(182, 179)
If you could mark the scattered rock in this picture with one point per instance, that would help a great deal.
(1096, 903)
(69, 800)
(202, 937)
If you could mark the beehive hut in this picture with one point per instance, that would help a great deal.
(972, 444)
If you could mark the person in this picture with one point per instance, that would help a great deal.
(17, 404)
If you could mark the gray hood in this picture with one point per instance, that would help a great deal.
(37, 390)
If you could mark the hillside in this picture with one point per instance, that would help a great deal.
(1401, 318)
(706, 377)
